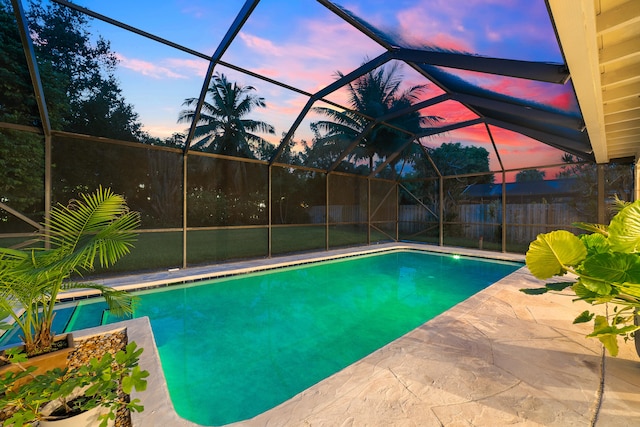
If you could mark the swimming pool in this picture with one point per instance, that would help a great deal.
(236, 347)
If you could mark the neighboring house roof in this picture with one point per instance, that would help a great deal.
(546, 188)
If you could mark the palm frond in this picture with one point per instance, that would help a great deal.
(120, 303)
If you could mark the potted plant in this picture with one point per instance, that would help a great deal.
(606, 270)
(97, 225)
(85, 395)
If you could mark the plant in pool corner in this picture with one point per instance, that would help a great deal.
(606, 264)
(61, 393)
(98, 225)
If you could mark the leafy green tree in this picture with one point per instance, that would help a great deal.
(375, 94)
(78, 74)
(451, 159)
(530, 175)
(21, 153)
(223, 127)
(21, 176)
(17, 101)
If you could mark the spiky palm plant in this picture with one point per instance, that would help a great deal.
(98, 226)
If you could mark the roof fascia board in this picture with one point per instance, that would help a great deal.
(575, 23)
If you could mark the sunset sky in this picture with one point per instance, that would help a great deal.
(303, 44)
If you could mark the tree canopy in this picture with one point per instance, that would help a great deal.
(530, 175)
(372, 96)
(82, 95)
(223, 126)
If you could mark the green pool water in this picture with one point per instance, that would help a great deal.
(234, 348)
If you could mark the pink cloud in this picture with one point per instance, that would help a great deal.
(309, 58)
(168, 68)
(261, 45)
(147, 68)
(450, 111)
(564, 101)
(418, 26)
(191, 67)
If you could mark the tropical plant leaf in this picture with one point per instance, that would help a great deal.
(624, 230)
(98, 226)
(612, 268)
(617, 204)
(584, 317)
(595, 243)
(583, 293)
(610, 342)
(597, 286)
(601, 229)
(551, 253)
(604, 332)
(632, 289)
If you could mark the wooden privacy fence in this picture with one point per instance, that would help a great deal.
(524, 221)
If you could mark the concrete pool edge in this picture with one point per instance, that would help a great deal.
(158, 408)
(135, 282)
(341, 398)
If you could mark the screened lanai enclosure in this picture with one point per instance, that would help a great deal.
(242, 129)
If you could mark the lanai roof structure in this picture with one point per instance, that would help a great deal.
(535, 84)
(468, 87)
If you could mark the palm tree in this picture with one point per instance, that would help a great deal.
(375, 94)
(223, 127)
(98, 226)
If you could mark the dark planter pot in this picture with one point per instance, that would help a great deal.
(45, 362)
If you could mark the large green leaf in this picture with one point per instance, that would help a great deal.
(583, 293)
(608, 334)
(604, 332)
(551, 253)
(632, 289)
(612, 268)
(595, 243)
(624, 230)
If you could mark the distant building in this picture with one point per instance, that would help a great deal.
(524, 192)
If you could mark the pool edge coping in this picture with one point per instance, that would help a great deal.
(159, 409)
(140, 282)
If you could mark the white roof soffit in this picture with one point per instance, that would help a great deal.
(575, 23)
(601, 43)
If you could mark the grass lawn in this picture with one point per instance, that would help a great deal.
(163, 250)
